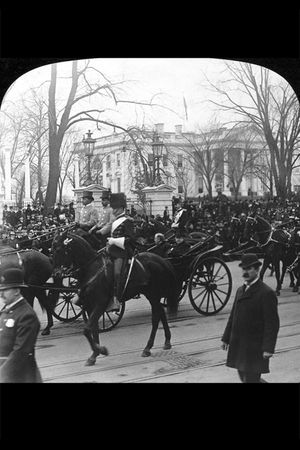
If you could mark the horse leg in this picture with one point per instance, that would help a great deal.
(292, 281)
(155, 306)
(277, 274)
(91, 332)
(167, 331)
(45, 302)
(264, 268)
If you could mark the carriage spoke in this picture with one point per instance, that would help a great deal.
(212, 298)
(207, 304)
(203, 298)
(198, 295)
(219, 298)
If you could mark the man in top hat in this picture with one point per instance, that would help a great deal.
(106, 217)
(181, 246)
(120, 245)
(88, 215)
(19, 328)
(252, 328)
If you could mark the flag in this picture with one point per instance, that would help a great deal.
(185, 108)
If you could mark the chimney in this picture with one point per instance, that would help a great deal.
(159, 128)
(178, 129)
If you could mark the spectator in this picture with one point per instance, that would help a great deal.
(251, 331)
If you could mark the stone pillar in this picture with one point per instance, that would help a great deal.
(27, 198)
(7, 176)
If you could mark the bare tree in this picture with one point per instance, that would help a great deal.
(272, 108)
(81, 88)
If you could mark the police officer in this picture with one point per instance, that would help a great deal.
(120, 245)
(19, 328)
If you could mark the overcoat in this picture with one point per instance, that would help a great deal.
(19, 328)
(252, 328)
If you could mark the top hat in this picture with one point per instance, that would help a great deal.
(105, 195)
(118, 200)
(248, 260)
(87, 194)
(12, 278)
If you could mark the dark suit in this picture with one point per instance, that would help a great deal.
(19, 328)
(122, 227)
(252, 328)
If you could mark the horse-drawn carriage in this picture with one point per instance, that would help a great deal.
(201, 272)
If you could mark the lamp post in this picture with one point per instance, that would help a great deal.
(157, 148)
(89, 145)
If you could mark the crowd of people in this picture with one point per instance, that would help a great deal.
(203, 216)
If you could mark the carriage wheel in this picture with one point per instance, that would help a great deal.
(110, 320)
(210, 286)
(65, 310)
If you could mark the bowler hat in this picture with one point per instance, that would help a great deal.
(87, 194)
(118, 200)
(12, 278)
(248, 260)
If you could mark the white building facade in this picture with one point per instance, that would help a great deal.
(116, 163)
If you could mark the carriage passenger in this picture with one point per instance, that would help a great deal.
(181, 246)
(161, 246)
(121, 244)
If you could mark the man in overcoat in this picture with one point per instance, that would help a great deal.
(252, 328)
(19, 328)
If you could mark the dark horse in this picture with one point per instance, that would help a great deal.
(37, 270)
(273, 242)
(151, 275)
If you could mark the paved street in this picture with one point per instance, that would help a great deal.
(195, 356)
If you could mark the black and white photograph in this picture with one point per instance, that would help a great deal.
(150, 223)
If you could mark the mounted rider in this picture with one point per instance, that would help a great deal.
(120, 246)
(102, 228)
(87, 217)
(180, 218)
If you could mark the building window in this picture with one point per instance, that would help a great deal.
(180, 189)
(119, 184)
(179, 161)
(165, 160)
(118, 160)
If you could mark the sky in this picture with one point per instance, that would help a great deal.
(180, 82)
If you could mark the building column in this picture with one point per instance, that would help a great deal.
(226, 190)
(76, 166)
(104, 178)
(7, 176)
(27, 198)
